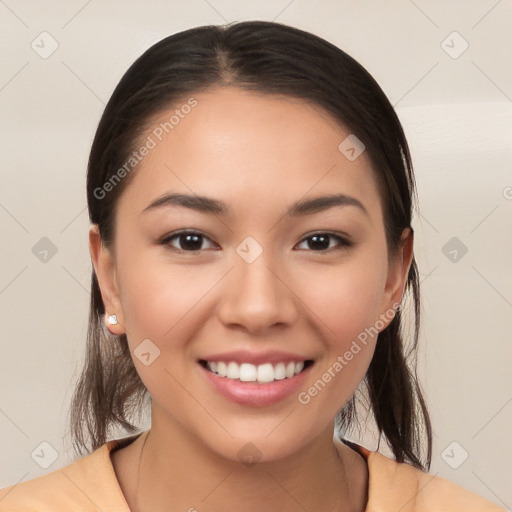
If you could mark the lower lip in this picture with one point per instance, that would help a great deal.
(252, 393)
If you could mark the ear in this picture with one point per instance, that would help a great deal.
(398, 272)
(104, 267)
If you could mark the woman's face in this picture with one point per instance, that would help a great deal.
(252, 285)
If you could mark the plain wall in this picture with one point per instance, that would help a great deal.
(457, 115)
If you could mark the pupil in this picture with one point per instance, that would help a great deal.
(324, 245)
(190, 244)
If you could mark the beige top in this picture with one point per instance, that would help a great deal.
(90, 485)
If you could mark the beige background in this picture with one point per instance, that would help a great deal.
(457, 112)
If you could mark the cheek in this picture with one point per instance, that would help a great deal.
(158, 299)
(164, 304)
(346, 302)
(346, 299)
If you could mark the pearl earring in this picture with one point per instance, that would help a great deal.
(112, 320)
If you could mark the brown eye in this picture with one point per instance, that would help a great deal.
(322, 242)
(187, 241)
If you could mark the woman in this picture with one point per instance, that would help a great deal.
(250, 191)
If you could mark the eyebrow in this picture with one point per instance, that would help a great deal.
(209, 205)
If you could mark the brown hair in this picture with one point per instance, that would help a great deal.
(277, 59)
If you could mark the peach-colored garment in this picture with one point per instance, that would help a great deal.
(90, 485)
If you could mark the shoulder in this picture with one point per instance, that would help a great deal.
(88, 483)
(400, 486)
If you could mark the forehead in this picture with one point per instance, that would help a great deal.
(251, 150)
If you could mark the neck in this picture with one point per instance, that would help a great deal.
(176, 471)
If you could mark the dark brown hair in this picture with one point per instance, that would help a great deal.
(270, 58)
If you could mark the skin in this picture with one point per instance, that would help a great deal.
(259, 154)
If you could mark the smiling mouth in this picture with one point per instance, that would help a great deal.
(262, 373)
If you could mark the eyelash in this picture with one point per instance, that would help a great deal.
(343, 242)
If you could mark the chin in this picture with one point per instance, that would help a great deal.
(258, 448)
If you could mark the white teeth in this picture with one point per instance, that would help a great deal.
(262, 373)
(221, 369)
(247, 372)
(265, 373)
(279, 371)
(233, 371)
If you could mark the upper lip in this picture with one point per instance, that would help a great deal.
(245, 356)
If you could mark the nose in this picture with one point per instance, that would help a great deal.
(256, 296)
